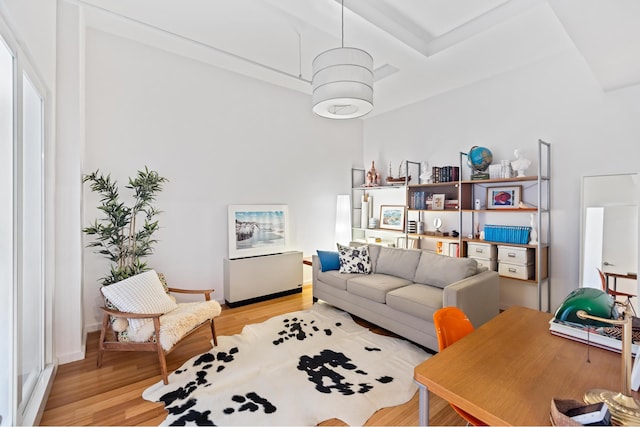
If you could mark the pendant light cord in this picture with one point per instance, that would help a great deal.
(342, 23)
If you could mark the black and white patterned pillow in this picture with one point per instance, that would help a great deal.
(354, 260)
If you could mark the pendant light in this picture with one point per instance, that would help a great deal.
(342, 82)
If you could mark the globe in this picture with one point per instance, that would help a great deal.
(479, 158)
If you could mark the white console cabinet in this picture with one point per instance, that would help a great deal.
(256, 278)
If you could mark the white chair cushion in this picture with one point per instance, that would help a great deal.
(142, 293)
(175, 324)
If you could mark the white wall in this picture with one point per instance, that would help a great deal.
(36, 33)
(556, 100)
(68, 321)
(220, 139)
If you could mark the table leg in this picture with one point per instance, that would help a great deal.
(423, 405)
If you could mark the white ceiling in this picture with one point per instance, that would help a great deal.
(421, 48)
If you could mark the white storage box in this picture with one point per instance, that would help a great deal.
(481, 250)
(491, 264)
(517, 271)
(516, 254)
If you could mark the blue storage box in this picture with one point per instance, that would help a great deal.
(507, 233)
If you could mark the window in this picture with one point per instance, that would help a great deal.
(6, 227)
(24, 374)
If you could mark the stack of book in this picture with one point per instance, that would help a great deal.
(451, 249)
(445, 173)
(451, 204)
(603, 337)
(507, 233)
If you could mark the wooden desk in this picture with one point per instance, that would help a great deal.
(507, 371)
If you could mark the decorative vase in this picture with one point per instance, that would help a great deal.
(533, 235)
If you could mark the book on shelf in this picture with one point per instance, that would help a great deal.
(454, 250)
(451, 204)
(451, 249)
(445, 173)
(607, 337)
(436, 174)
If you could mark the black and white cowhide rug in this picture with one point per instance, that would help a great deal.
(300, 368)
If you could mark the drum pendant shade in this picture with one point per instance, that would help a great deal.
(342, 83)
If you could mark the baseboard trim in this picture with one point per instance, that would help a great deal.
(72, 357)
(92, 327)
(264, 298)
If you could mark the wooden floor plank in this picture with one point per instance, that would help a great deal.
(83, 394)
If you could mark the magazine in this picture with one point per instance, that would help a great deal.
(603, 337)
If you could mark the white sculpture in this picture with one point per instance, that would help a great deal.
(533, 235)
(520, 164)
(425, 173)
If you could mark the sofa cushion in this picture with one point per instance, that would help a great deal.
(336, 279)
(415, 299)
(329, 260)
(398, 262)
(441, 270)
(374, 251)
(375, 286)
(354, 260)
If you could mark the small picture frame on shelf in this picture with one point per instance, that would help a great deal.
(438, 202)
(504, 197)
(392, 217)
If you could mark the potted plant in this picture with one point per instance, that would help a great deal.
(125, 234)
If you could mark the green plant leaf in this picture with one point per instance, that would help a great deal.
(116, 234)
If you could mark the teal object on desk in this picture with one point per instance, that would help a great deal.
(593, 301)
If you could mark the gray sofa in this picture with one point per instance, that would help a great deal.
(406, 286)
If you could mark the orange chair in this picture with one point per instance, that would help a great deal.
(452, 324)
(614, 293)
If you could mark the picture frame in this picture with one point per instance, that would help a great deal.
(504, 197)
(256, 230)
(392, 217)
(437, 203)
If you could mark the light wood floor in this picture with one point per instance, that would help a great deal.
(112, 395)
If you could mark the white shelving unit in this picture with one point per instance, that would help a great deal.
(381, 195)
(537, 199)
(467, 219)
(432, 238)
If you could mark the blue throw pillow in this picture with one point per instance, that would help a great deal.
(329, 260)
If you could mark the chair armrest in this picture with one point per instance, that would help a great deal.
(619, 293)
(117, 313)
(205, 292)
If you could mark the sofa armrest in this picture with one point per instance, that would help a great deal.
(478, 296)
(315, 268)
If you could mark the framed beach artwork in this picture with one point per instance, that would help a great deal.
(392, 217)
(504, 197)
(256, 230)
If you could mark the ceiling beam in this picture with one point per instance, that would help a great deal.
(383, 15)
